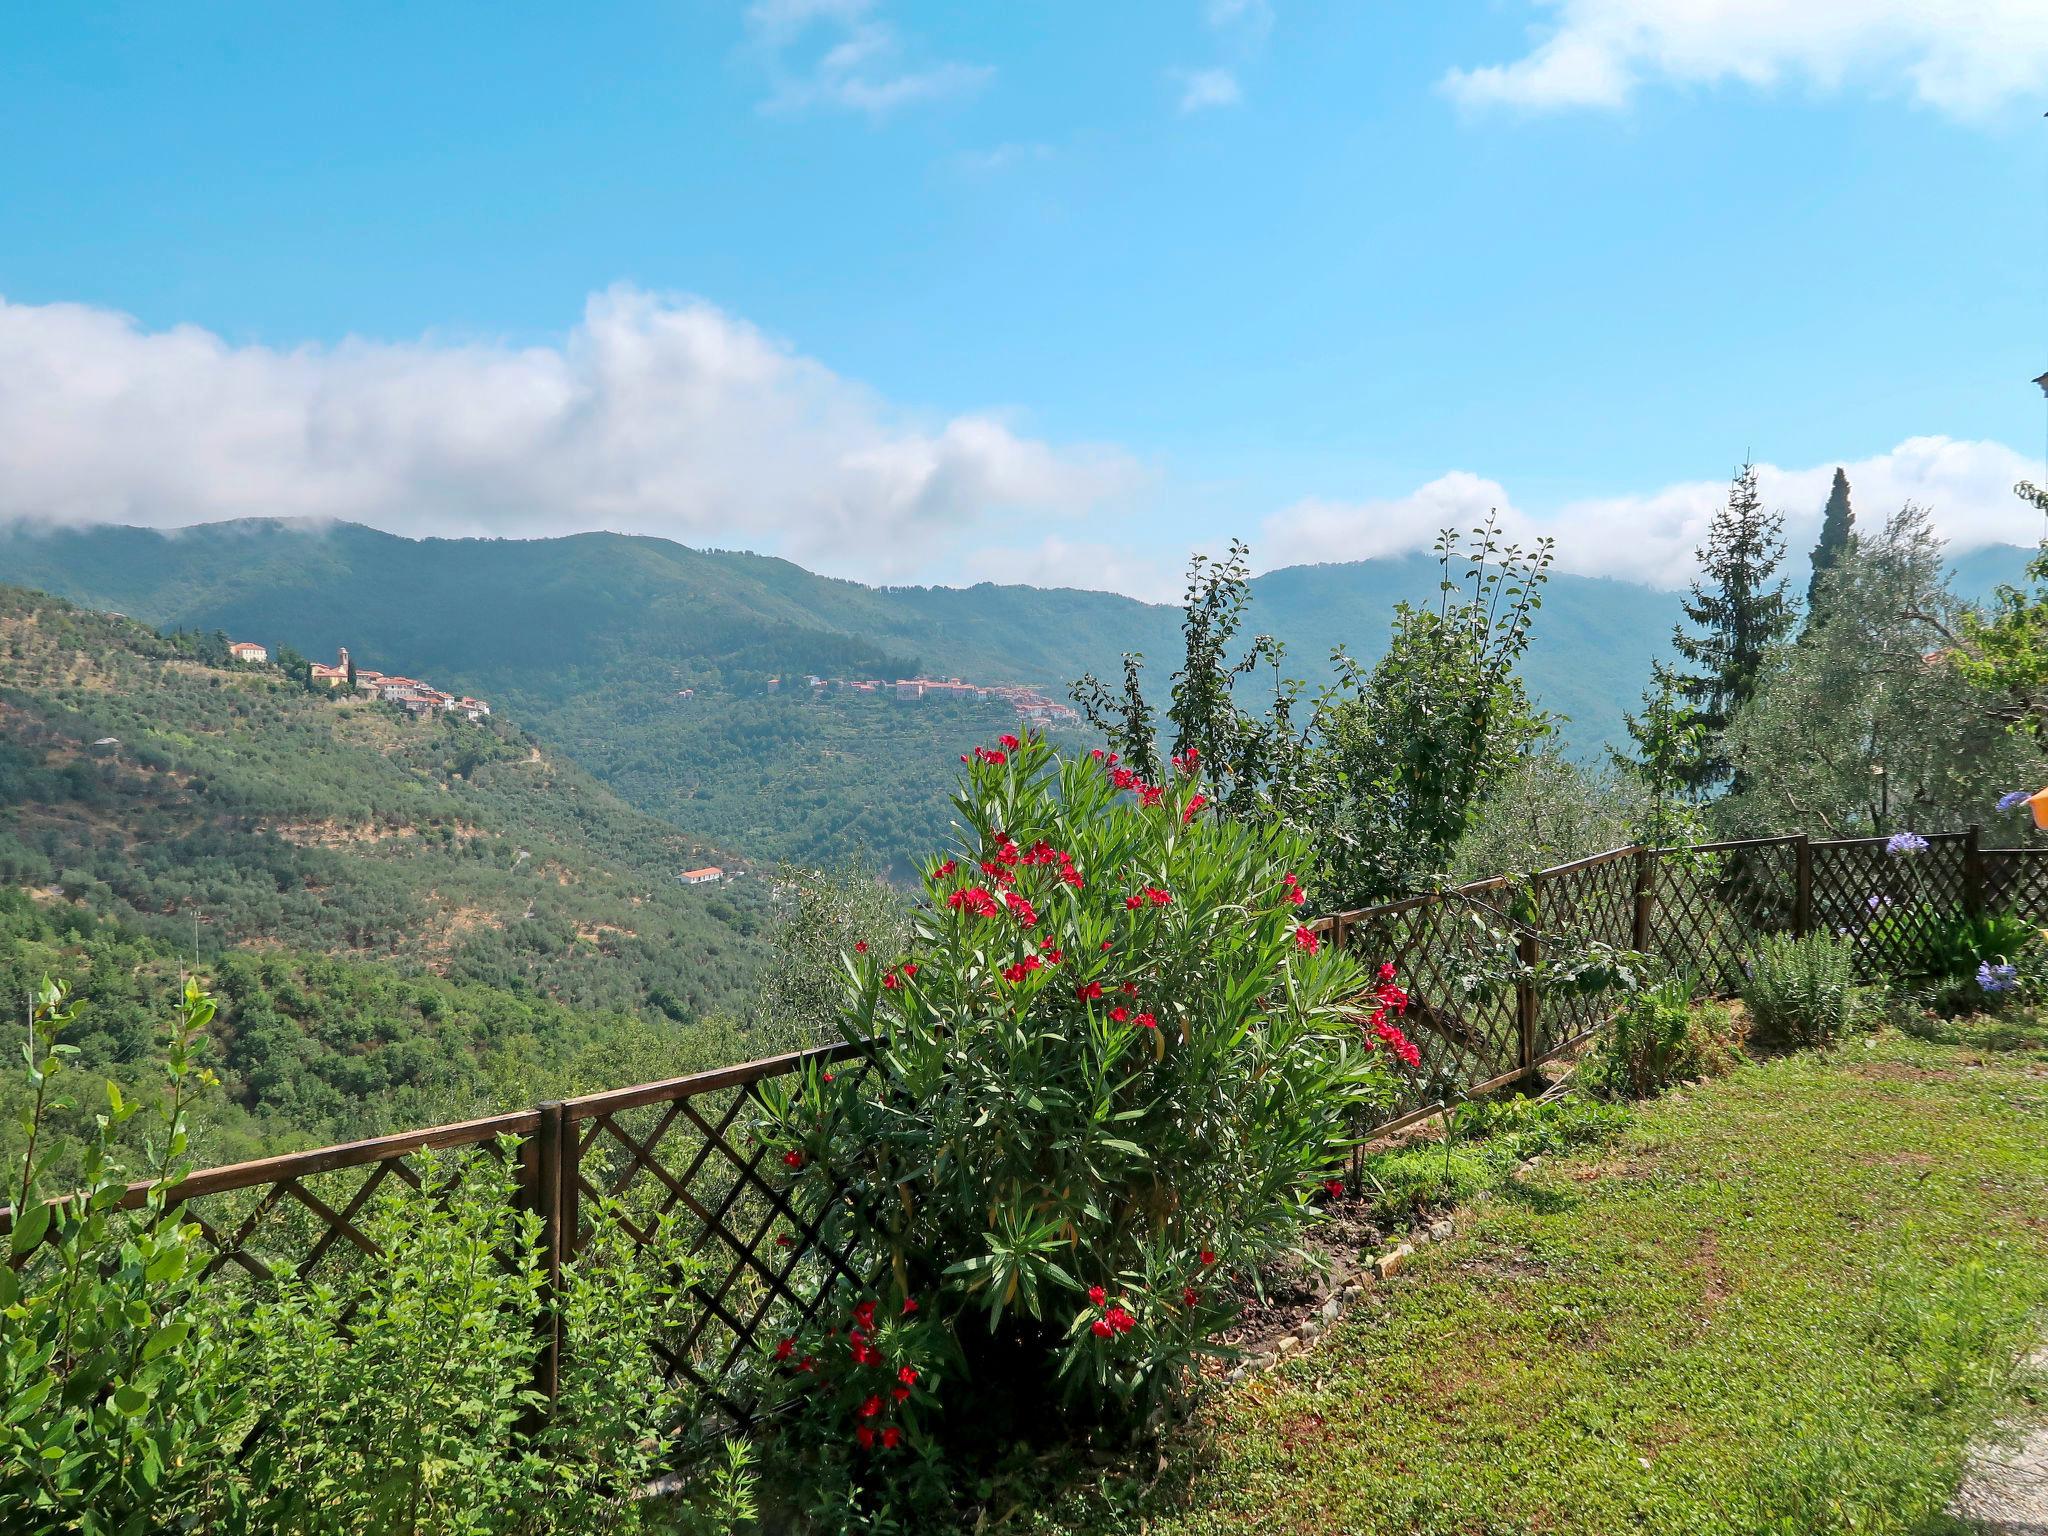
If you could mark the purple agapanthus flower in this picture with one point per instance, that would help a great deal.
(1998, 978)
(2017, 798)
(1905, 842)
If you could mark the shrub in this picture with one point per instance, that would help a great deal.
(398, 1397)
(117, 1392)
(1656, 1039)
(1800, 991)
(1106, 1079)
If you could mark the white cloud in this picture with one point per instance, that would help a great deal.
(1202, 89)
(842, 53)
(1651, 536)
(656, 415)
(1968, 58)
(1248, 20)
(1003, 157)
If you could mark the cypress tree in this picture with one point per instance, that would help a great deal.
(1837, 534)
(1737, 612)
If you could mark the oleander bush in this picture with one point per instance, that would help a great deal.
(1106, 1080)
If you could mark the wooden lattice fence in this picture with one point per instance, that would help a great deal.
(683, 1146)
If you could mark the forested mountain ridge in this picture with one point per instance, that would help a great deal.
(591, 640)
(228, 807)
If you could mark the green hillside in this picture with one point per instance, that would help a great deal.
(311, 1049)
(589, 640)
(228, 807)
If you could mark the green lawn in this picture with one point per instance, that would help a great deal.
(1782, 1302)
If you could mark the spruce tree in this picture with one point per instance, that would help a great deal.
(1737, 611)
(1837, 534)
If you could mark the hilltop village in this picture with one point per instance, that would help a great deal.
(409, 693)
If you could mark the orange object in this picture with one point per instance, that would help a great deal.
(2038, 804)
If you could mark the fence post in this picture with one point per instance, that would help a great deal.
(1973, 871)
(1802, 897)
(542, 1152)
(1530, 950)
(1646, 900)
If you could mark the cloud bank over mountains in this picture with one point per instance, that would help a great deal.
(668, 416)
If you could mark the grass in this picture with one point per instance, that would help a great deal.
(1780, 1302)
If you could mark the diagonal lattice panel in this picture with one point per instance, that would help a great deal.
(1712, 905)
(1591, 902)
(1892, 906)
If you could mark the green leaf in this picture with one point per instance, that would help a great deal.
(170, 1336)
(29, 1227)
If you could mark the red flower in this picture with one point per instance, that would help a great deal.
(901, 1394)
(1297, 896)
(866, 1437)
(1016, 973)
(1386, 970)
(1207, 1257)
(860, 946)
(792, 1159)
(890, 1436)
(1097, 1295)
(1105, 944)
(1132, 903)
(909, 1305)
(1130, 989)
(889, 981)
(1096, 754)
(1193, 806)
(1025, 913)
(1146, 1021)
(1088, 991)
(785, 1348)
(907, 1375)
(864, 1314)
(974, 899)
(944, 870)
(1010, 741)
(910, 967)
(1100, 1329)
(1148, 795)
(1052, 956)
(1120, 1320)
(807, 1364)
(1189, 1295)
(1306, 938)
(1158, 897)
(1073, 877)
(1119, 1013)
(871, 1407)
(1333, 1187)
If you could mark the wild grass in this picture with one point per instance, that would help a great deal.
(1782, 1301)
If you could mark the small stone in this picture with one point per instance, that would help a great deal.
(1310, 1329)
(1333, 1306)
(1353, 1290)
(1392, 1263)
(1289, 1345)
(1419, 1236)
(1442, 1230)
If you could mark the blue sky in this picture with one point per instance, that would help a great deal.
(1055, 290)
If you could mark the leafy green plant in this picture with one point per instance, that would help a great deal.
(1109, 1076)
(1800, 991)
(402, 1397)
(1658, 1037)
(116, 1390)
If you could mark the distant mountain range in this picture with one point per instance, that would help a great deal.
(588, 640)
